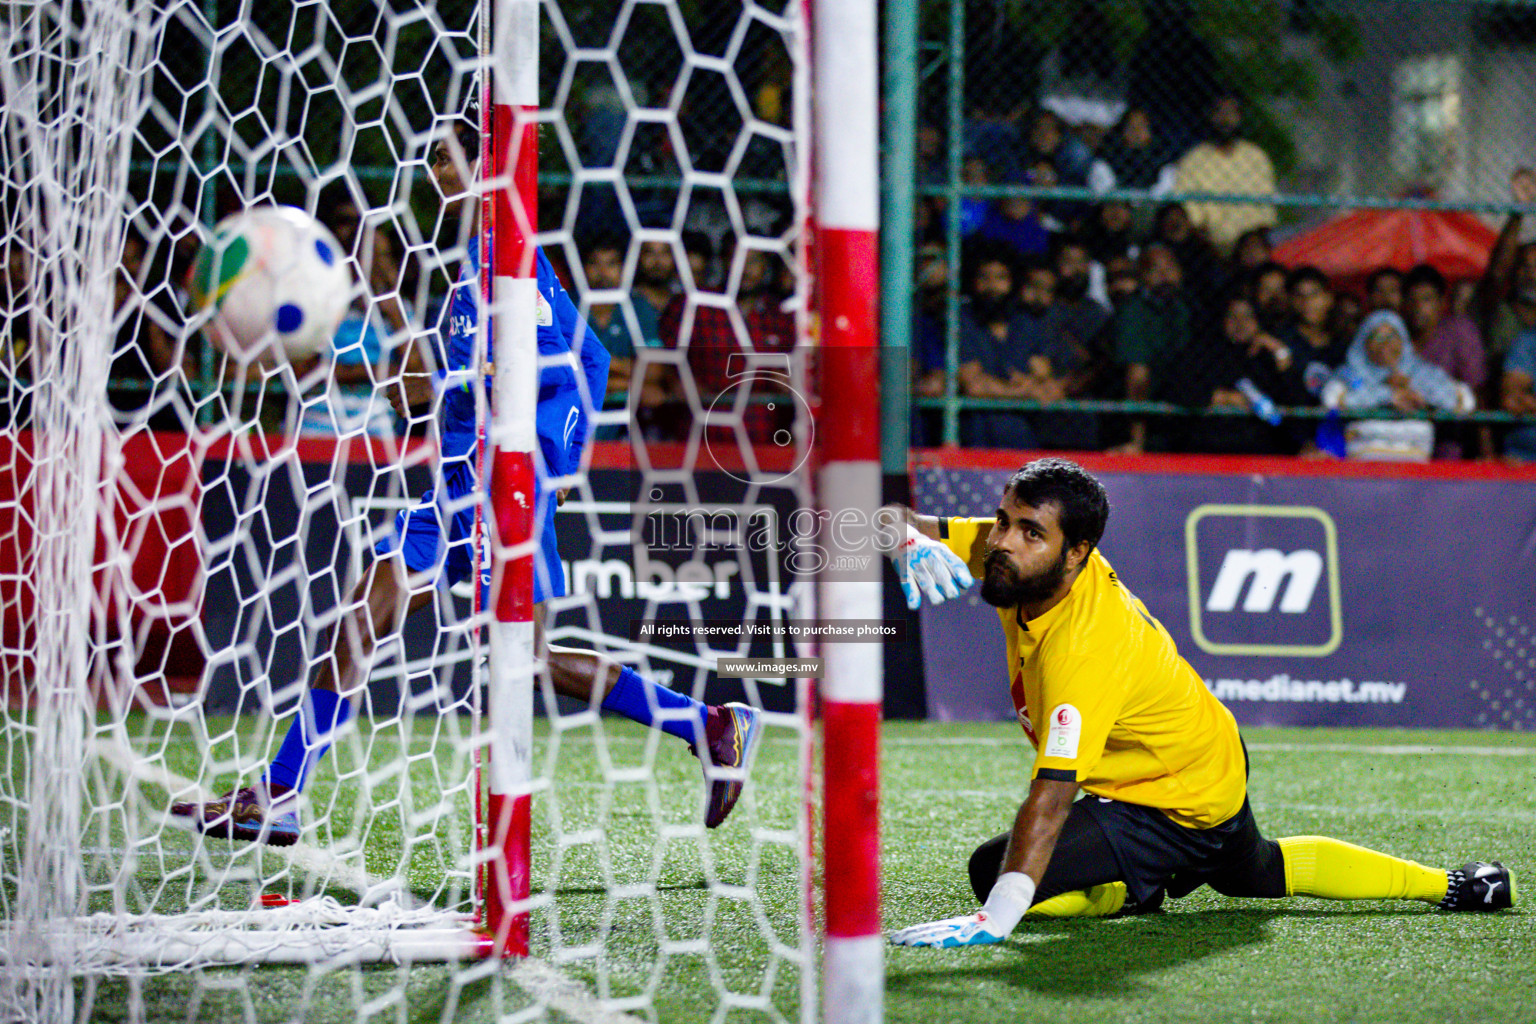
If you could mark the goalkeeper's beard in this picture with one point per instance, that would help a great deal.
(1004, 586)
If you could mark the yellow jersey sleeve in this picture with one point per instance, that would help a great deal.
(968, 539)
(1080, 708)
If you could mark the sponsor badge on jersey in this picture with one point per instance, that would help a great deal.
(1066, 727)
(546, 312)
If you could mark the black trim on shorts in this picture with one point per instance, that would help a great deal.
(1057, 774)
(943, 528)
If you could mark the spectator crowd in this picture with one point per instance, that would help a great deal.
(1066, 309)
(1182, 306)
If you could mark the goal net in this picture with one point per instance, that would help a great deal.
(187, 542)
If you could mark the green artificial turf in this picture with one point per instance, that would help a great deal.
(701, 916)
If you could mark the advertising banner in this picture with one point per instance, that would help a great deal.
(1398, 598)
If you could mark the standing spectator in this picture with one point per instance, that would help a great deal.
(700, 251)
(1229, 367)
(602, 265)
(1226, 162)
(655, 285)
(1309, 335)
(1267, 291)
(360, 353)
(1151, 331)
(1132, 157)
(1449, 342)
(996, 349)
(1506, 295)
(1517, 395)
(1384, 290)
(722, 361)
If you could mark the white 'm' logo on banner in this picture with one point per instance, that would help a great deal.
(1269, 569)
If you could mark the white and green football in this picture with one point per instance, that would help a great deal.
(273, 283)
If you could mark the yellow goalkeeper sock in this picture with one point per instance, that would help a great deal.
(1334, 870)
(1099, 901)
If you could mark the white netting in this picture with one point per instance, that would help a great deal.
(180, 534)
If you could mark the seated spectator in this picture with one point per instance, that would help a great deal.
(1108, 232)
(1049, 140)
(1236, 366)
(1080, 319)
(1517, 394)
(1382, 371)
(1151, 330)
(1001, 356)
(145, 353)
(1309, 335)
(1265, 288)
(1384, 290)
(1058, 363)
(928, 355)
(1506, 295)
(973, 212)
(719, 359)
(1132, 157)
(1449, 342)
(360, 352)
(18, 315)
(1227, 163)
(1203, 279)
(931, 158)
(1015, 223)
(1122, 280)
(1252, 250)
(1347, 313)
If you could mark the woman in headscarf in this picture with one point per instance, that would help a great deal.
(1381, 371)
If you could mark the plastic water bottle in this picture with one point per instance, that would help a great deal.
(1263, 408)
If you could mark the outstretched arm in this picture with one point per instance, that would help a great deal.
(1035, 830)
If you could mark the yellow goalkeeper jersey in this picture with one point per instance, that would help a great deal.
(1107, 701)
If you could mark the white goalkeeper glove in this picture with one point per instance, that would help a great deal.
(993, 923)
(928, 567)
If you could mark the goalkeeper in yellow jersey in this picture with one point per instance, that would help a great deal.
(1113, 711)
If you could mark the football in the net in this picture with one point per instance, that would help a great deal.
(273, 283)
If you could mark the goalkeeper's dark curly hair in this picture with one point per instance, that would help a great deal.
(1076, 492)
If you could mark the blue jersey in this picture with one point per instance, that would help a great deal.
(563, 417)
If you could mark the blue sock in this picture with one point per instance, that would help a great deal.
(320, 715)
(637, 698)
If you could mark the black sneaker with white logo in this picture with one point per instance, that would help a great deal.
(1480, 886)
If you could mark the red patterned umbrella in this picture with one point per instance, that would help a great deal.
(1347, 248)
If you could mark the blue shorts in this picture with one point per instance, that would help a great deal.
(418, 537)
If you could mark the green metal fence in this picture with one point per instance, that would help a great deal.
(1344, 106)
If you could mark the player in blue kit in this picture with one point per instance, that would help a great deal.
(437, 536)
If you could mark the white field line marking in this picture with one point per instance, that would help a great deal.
(565, 995)
(340, 870)
(1387, 750)
(1398, 812)
(1400, 750)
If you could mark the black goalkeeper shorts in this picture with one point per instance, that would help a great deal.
(1108, 841)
